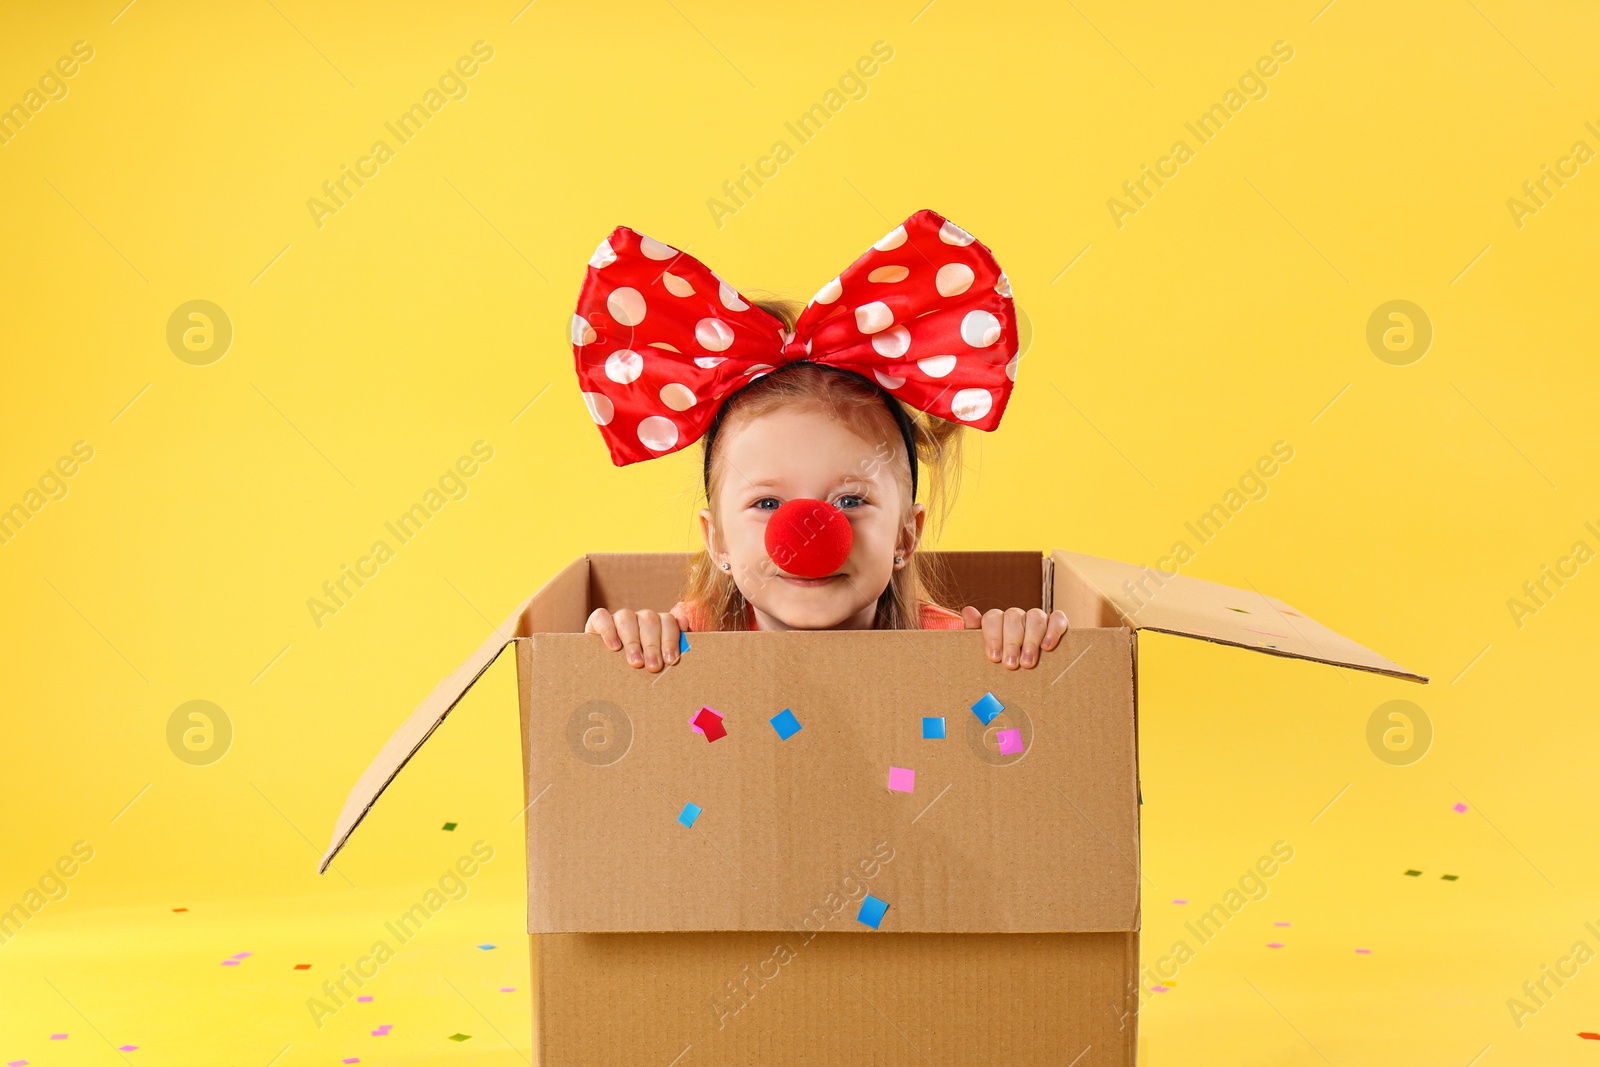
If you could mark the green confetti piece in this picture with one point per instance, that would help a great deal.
(1449, 877)
(1414, 874)
(460, 1037)
(449, 826)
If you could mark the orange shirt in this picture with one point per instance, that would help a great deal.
(933, 616)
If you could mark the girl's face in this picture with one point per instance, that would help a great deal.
(805, 452)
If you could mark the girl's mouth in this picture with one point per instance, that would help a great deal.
(809, 582)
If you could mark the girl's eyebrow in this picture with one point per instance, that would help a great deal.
(839, 482)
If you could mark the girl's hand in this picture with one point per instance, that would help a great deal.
(646, 634)
(1016, 633)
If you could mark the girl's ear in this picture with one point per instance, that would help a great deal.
(708, 533)
(912, 534)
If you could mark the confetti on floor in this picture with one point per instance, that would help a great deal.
(364, 999)
(1414, 874)
(683, 642)
(694, 720)
(1459, 808)
(872, 911)
(1449, 877)
(1364, 951)
(58, 1037)
(460, 1037)
(230, 963)
(302, 966)
(180, 909)
(351, 1059)
(1158, 989)
(689, 814)
(902, 779)
(126, 1048)
(786, 724)
(450, 826)
(987, 708)
(486, 948)
(933, 728)
(1274, 944)
(1587, 1036)
(1269, 633)
(1010, 742)
(508, 989)
(1180, 902)
(1280, 924)
(16, 1063)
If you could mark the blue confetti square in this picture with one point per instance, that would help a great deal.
(690, 813)
(933, 727)
(486, 948)
(683, 641)
(872, 910)
(987, 708)
(786, 724)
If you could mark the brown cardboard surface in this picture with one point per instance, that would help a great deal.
(1044, 840)
(1012, 881)
(1104, 592)
(781, 1000)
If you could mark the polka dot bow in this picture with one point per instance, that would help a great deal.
(661, 340)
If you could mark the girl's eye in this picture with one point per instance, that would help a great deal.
(764, 500)
(842, 506)
(842, 503)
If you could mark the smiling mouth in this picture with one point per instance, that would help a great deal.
(806, 582)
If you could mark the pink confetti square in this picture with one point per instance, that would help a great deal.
(1273, 944)
(1180, 902)
(351, 1059)
(1280, 924)
(127, 1048)
(230, 963)
(17, 1063)
(365, 999)
(1269, 633)
(1364, 951)
(1460, 808)
(696, 715)
(508, 989)
(58, 1037)
(902, 780)
(1158, 989)
(239, 955)
(1010, 742)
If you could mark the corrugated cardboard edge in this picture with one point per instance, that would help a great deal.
(1090, 600)
(434, 709)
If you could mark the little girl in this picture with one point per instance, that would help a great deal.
(785, 410)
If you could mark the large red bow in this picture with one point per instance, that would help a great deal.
(661, 340)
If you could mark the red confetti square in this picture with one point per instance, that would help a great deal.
(302, 966)
(1588, 1036)
(710, 725)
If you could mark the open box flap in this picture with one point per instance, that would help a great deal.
(559, 591)
(1104, 592)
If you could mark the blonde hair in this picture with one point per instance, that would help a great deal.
(864, 407)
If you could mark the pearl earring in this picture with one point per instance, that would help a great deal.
(726, 565)
(897, 559)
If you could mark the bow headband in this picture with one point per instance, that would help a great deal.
(661, 341)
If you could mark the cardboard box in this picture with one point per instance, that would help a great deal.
(1012, 880)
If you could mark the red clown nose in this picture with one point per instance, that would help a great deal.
(808, 538)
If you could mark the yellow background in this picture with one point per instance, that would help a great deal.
(368, 354)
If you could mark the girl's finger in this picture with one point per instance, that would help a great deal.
(993, 633)
(1054, 629)
(1033, 629)
(600, 622)
(669, 637)
(628, 631)
(650, 637)
(1014, 621)
(972, 618)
